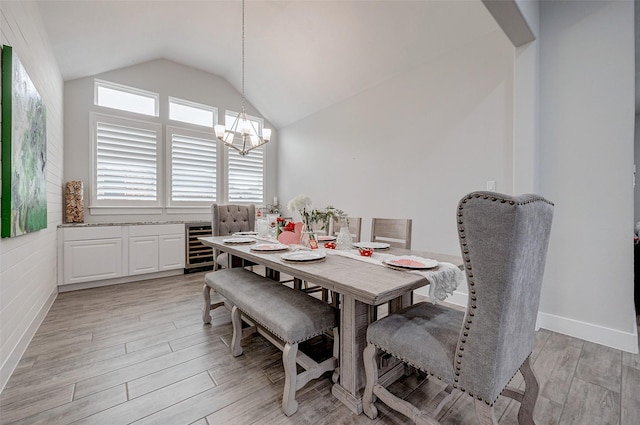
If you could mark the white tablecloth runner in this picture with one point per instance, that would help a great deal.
(443, 280)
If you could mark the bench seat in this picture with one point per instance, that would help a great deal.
(288, 314)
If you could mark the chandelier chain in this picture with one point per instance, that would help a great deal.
(243, 55)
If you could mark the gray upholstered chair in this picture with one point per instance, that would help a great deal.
(504, 244)
(227, 220)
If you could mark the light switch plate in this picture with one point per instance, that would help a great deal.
(491, 185)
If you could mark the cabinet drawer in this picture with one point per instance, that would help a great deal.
(87, 233)
(155, 229)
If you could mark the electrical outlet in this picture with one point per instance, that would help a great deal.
(491, 185)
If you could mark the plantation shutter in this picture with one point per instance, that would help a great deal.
(193, 169)
(246, 176)
(126, 162)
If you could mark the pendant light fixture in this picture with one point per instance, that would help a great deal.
(242, 135)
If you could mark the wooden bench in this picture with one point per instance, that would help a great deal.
(285, 316)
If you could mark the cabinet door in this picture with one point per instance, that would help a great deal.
(88, 260)
(143, 254)
(171, 252)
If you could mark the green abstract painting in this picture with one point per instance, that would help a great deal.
(24, 151)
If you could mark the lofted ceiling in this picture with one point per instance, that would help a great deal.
(301, 56)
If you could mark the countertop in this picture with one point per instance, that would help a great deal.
(133, 223)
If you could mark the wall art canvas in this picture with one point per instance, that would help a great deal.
(24, 151)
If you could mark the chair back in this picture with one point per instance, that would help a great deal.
(355, 226)
(504, 243)
(230, 218)
(394, 231)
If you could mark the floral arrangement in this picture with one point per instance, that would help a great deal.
(325, 215)
(302, 204)
(283, 225)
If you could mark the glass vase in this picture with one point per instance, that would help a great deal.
(308, 238)
(344, 241)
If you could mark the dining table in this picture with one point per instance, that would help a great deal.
(362, 286)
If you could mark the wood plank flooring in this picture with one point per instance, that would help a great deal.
(139, 353)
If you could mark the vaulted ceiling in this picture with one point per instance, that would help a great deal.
(301, 56)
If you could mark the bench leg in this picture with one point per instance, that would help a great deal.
(289, 403)
(236, 321)
(206, 291)
(371, 372)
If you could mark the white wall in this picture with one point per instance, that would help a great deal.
(636, 155)
(168, 79)
(28, 263)
(586, 159)
(570, 107)
(412, 146)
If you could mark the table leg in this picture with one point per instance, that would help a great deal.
(402, 301)
(272, 274)
(354, 318)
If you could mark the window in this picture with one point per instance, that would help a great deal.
(245, 173)
(193, 167)
(144, 160)
(246, 176)
(125, 98)
(192, 113)
(125, 171)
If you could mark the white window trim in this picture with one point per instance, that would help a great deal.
(170, 130)
(191, 104)
(114, 205)
(121, 87)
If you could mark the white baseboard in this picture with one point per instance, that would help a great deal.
(126, 279)
(7, 368)
(625, 341)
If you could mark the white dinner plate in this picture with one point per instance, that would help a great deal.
(238, 241)
(270, 247)
(245, 233)
(410, 262)
(303, 256)
(373, 245)
(325, 238)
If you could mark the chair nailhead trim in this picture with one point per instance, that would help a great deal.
(468, 267)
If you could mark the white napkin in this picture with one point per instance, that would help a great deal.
(443, 281)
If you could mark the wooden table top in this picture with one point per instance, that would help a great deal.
(369, 283)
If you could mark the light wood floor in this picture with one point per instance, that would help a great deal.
(139, 353)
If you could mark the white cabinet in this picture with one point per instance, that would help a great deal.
(143, 254)
(154, 248)
(171, 253)
(92, 254)
(119, 253)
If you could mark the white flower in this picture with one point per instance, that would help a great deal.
(300, 203)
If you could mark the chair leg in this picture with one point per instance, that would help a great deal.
(206, 291)
(289, 403)
(531, 389)
(371, 372)
(236, 321)
(485, 413)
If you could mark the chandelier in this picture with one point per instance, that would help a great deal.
(242, 135)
